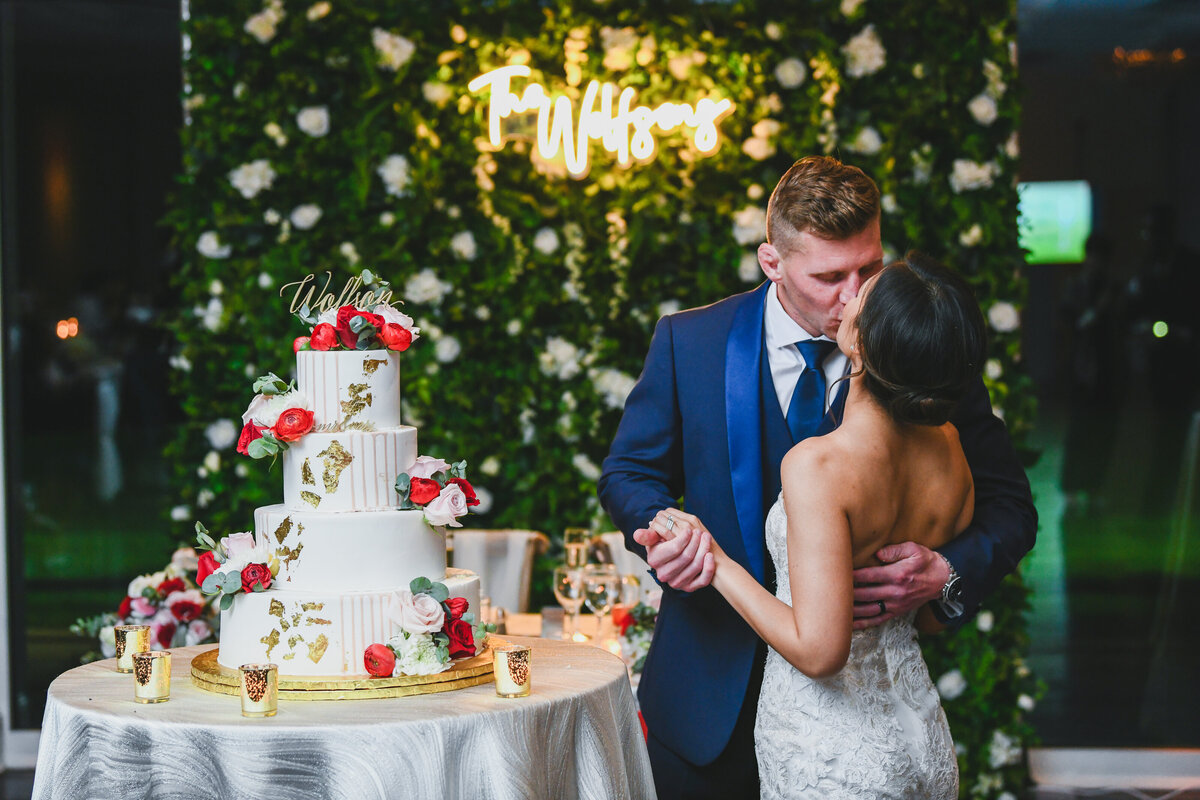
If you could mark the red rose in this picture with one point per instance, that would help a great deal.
(186, 610)
(462, 638)
(293, 423)
(379, 660)
(172, 585)
(621, 618)
(395, 337)
(255, 573)
(422, 490)
(123, 609)
(324, 337)
(348, 337)
(458, 607)
(166, 633)
(300, 343)
(207, 566)
(467, 490)
(249, 433)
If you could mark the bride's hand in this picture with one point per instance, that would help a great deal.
(679, 548)
(911, 576)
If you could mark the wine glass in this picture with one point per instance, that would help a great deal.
(568, 590)
(575, 543)
(601, 590)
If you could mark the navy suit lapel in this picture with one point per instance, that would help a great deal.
(743, 362)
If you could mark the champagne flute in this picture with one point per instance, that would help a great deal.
(575, 543)
(568, 590)
(601, 590)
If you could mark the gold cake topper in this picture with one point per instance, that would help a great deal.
(325, 301)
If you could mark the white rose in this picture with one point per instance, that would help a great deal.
(305, 216)
(754, 191)
(868, 141)
(417, 654)
(613, 385)
(180, 513)
(865, 54)
(436, 92)
(313, 120)
(447, 507)
(790, 73)
(140, 584)
(211, 315)
(271, 216)
(463, 245)
(560, 358)
(209, 246)
(394, 172)
(198, 630)
(490, 466)
(679, 65)
(668, 307)
(415, 613)
(750, 225)
(758, 149)
(275, 132)
(545, 241)
(447, 349)
(180, 362)
(241, 470)
(394, 316)
(108, 641)
(968, 175)
(1004, 317)
(971, 236)
(985, 621)
(427, 467)
(251, 178)
(262, 25)
(349, 252)
(951, 685)
(204, 497)
(318, 10)
(239, 546)
(1026, 703)
(485, 500)
(888, 203)
(394, 51)
(1004, 750)
(749, 269)
(849, 7)
(424, 287)
(265, 409)
(265, 281)
(513, 327)
(983, 109)
(586, 467)
(1006, 796)
(212, 461)
(222, 434)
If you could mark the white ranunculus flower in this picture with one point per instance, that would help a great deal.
(560, 358)
(971, 236)
(209, 245)
(545, 241)
(447, 349)
(305, 216)
(415, 613)
(969, 175)
(983, 108)
(951, 685)
(758, 149)
(181, 513)
(394, 51)
(318, 10)
(222, 434)
(868, 142)
(865, 54)
(424, 287)
(436, 92)
(1004, 317)
(1004, 750)
(251, 178)
(265, 409)
(447, 507)
(463, 245)
(313, 120)
(395, 175)
(612, 385)
(485, 500)
(985, 621)
(586, 467)
(490, 466)
(750, 225)
(790, 73)
(417, 654)
(850, 7)
(749, 269)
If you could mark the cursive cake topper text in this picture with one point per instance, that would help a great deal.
(349, 296)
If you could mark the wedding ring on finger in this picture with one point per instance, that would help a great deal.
(670, 523)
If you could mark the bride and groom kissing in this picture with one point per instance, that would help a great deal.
(844, 482)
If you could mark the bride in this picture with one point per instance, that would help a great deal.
(847, 714)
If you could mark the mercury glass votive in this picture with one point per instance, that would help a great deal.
(130, 639)
(510, 669)
(260, 690)
(152, 676)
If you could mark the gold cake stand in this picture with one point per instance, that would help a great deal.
(211, 676)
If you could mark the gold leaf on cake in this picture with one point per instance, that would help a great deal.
(287, 555)
(283, 530)
(359, 400)
(366, 427)
(283, 623)
(293, 640)
(312, 606)
(317, 621)
(288, 656)
(306, 475)
(336, 459)
(372, 364)
(310, 498)
(276, 609)
(270, 640)
(296, 619)
(317, 649)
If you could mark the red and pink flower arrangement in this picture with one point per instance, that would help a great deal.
(278, 414)
(433, 629)
(381, 327)
(439, 488)
(236, 563)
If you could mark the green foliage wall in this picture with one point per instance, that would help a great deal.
(536, 293)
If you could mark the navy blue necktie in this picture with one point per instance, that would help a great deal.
(808, 399)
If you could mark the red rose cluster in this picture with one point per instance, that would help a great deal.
(389, 335)
(380, 659)
(251, 573)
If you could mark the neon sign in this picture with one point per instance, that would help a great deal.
(611, 124)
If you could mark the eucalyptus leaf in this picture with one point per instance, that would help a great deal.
(439, 592)
(420, 584)
(226, 601)
(261, 448)
(232, 582)
(212, 584)
(269, 384)
(403, 486)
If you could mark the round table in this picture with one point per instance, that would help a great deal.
(576, 736)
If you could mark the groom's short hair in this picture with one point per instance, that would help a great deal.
(823, 196)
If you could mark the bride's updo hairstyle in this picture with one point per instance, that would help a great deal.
(922, 340)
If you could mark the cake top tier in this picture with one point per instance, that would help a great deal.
(350, 389)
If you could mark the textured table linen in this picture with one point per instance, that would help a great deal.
(576, 736)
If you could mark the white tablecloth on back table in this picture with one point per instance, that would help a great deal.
(576, 736)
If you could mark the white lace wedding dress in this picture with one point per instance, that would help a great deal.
(874, 730)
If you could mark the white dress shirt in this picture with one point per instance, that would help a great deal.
(782, 332)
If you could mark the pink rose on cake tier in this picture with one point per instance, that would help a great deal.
(439, 488)
(447, 507)
(427, 467)
(242, 564)
(416, 613)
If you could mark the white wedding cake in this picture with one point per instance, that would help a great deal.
(343, 545)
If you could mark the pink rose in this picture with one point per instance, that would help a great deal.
(238, 546)
(447, 507)
(142, 607)
(426, 466)
(416, 613)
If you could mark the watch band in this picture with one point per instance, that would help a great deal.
(949, 602)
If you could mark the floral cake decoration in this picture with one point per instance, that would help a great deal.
(278, 415)
(236, 563)
(439, 488)
(433, 629)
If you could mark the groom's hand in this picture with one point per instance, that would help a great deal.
(912, 575)
(680, 553)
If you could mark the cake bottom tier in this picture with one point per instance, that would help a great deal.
(317, 633)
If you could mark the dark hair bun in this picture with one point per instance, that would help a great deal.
(922, 408)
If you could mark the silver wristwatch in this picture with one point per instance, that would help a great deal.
(951, 599)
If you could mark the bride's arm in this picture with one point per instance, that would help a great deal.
(813, 634)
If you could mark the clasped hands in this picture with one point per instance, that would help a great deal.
(681, 550)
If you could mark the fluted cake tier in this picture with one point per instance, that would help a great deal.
(347, 471)
(351, 387)
(317, 633)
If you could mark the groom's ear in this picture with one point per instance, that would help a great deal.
(768, 259)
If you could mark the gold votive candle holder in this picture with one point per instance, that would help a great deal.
(260, 690)
(511, 670)
(152, 676)
(130, 639)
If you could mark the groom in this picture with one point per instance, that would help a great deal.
(725, 392)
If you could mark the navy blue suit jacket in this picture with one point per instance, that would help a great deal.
(692, 429)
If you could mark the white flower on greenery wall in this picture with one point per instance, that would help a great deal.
(1004, 750)
(212, 314)
(983, 109)
(545, 241)
(263, 24)
(850, 7)
(318, 10)
(181, 513)
(790, 73)
(222, 434)
(1026, 703)
(349, 252)
(313, 120)
(387, 219)
(865, 54)
(868, 142)
(995, 78)
(447, 349)
(395, 175)
(679, 66)
(968, 175)
(275, 134)
(619, 45)
(212, 461)
(463, 245)
(485, 500)
(394, 51)
(265, 281)
(667, 307)
(750, 225)
(586, 467)
(1012, 147)
(253, 177)
(209, 246)
(985, 621)
(271, 217)
(425, 287)
(951, 685)
(993, 369)
(1004, 317)
(971, 236)
(560, 359)
(888, 203)
(748, 268)
(436, 92)
(758, 149)
(773, 31)
(305, 216)
(612, 385)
